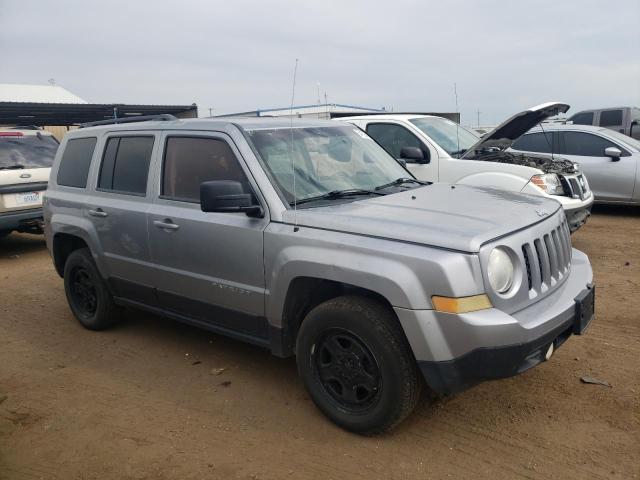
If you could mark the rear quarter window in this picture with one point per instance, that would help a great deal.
(75, 162)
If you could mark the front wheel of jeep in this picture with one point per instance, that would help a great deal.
(357, 365)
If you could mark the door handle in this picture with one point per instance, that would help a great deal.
(98, 212)
(166, 224)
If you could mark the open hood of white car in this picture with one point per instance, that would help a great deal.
(505, 134)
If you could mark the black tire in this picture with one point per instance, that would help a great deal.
(357, 365)
(87, 293)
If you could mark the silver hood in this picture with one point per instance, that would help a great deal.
(505, 134)
(460, 218)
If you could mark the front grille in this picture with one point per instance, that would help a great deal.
(547, 258)
(575, 186)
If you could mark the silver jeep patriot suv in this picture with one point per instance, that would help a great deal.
(308, 239)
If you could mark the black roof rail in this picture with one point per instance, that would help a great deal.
(140, 118)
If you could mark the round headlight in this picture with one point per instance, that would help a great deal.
(500, 270)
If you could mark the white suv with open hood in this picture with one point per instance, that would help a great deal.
(26, 156)
(439, 150)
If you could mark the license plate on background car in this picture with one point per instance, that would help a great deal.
(585, 310)
(28, 198)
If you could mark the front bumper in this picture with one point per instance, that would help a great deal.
(22, 220)
(577, 217)
(456, 351)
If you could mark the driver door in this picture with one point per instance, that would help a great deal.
(209, 265)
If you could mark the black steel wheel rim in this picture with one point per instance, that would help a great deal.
(347, 370)
(83, 292)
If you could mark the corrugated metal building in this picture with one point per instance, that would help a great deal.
(58, 110)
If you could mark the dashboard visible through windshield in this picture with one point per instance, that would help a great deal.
(312, 162)
(450, 136)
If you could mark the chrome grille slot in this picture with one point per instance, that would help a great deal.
(526, 253)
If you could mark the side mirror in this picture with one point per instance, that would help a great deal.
(414, 154)
(227, 196)
(402, 162)
(613, 152)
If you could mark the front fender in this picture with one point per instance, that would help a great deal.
(406, 275)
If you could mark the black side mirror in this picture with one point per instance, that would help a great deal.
(414, 154)
(227, 196)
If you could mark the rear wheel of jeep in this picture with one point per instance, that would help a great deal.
(357, 364)
(87, 294)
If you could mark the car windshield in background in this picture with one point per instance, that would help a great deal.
(450, 136)
(326, 160)
(28, 151)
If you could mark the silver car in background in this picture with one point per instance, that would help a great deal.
(609, 159)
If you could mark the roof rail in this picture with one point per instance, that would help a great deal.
(140, 118)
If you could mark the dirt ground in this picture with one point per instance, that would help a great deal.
(146, 400)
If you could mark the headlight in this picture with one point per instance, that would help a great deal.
(548, 182)
(500, 270)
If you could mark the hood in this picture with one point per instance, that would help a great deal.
(505, 134)
(456, 217)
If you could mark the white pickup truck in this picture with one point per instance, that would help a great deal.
(438, 150)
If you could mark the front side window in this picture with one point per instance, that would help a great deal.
(75, 162)
(611, 118)
(26, 151)
(585, 144)
(450, 136)
(393, 138)
(125, 164)
(323, 160)
(535, 142)
(189, 161)
(585, 118)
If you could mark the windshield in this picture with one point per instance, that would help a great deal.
(623, 138)
(28, 151)
(325, 159)
(450, 136)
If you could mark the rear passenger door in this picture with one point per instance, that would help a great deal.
(117, 208)
(209, 264)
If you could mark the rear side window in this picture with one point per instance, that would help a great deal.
(585, 118)
(611, 118)
(125, 165)
(75, 162)
(189, 161)
(535, 142)
(585, 144)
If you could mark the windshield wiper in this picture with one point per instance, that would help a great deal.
(17, 166)
(459, 153)
(338, 194)
(400, 181)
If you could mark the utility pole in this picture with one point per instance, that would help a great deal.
(210, 111)
(478, 114)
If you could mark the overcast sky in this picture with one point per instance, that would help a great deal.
(239, 55)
